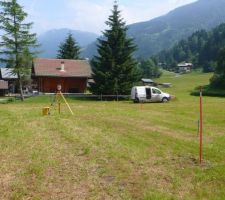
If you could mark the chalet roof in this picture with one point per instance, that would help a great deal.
(3, 85)
(6, 73)
(185, 65)
(53, 68)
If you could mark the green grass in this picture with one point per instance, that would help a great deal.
(5, 100)
(114, 150)
(209, 91)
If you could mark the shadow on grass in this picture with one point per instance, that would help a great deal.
(208, 91)
(70, 98)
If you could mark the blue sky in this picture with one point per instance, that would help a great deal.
(90, 15)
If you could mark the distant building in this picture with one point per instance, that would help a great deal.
(7, 74)
(3, 87)
(185, 67)
(72, 75)
(147, 81)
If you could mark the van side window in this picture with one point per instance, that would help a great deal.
(155, 91)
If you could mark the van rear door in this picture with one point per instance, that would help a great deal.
(141, 93)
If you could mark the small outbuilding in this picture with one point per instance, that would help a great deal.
(147, 81)
(72, 75)
(6, 74)
(3, 87)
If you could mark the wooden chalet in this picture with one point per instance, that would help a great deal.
(72, 75)
(185, 67)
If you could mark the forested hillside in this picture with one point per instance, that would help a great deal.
(163, 32)
(201, 48)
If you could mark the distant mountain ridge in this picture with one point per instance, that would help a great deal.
(51, 40)
(163, 32)
(151, 36)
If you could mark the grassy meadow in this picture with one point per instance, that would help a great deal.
(114, 150)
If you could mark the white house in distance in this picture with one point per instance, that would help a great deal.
(185, 67)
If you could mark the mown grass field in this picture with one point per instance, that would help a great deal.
(114, 150)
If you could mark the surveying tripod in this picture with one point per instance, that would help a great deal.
(57, 100)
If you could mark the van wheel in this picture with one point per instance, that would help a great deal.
(136, 100)
(165, 100)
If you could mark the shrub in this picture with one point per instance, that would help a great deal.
(217, 81)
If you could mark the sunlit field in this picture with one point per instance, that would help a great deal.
(114, 150)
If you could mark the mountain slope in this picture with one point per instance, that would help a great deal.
(201, 48)
(163, 32)
(50, 40)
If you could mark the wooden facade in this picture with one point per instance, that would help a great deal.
(3, 87)
(72, 75)
(6, 74)
(69, 85)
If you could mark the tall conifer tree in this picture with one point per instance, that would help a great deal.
(17, 40)
(114, 69)
(69, 49)
(218, 79)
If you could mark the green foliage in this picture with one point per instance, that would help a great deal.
(69, 49)
(16, 40)
(164, 32)
(220, 69)
(201, 48)
(218, 79)
(149, 69)
(209, 90)
(114, 68)
(7, 100)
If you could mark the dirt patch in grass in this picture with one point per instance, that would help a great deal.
(6, 181)
(172, 176)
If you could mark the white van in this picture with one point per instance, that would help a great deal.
(148, 94)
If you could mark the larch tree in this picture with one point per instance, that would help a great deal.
(16, 41)
(114, 68)
(69, 49)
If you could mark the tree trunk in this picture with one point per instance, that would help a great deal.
(21, 87)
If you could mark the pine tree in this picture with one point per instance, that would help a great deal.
(69, 49)
(16, 40)
(218, 79)
(149, 69)
(114, 68)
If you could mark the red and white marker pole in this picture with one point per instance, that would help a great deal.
(201, 126)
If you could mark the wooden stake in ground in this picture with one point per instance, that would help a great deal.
(201, 126)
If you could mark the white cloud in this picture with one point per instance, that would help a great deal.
(90, 15)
